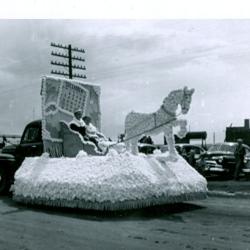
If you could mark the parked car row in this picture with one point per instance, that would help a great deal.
(218, 160)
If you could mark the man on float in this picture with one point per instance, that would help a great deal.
(77, 124)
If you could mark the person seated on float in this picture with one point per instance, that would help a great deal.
(92, 134)
(77, 124)
(91, 130)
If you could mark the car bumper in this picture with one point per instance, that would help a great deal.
(212, 167)
(216, 169)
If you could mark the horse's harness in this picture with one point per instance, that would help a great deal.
(167, 111)
(171, 114)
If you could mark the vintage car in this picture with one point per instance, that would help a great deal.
(219, 160)
(12, 156)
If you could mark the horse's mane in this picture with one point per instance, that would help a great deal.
(174, 94)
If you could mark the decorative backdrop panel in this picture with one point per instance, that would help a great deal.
(60, 98)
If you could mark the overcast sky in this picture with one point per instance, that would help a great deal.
(136, 63)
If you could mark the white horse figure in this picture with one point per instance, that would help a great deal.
(163, 120)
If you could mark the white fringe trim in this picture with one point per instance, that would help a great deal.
(53, 148)
(108, 205)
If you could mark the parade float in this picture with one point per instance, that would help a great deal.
(73, 173)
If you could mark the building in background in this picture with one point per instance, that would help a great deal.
(234, 133)
(201, 136)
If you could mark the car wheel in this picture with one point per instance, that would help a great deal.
(3, 181)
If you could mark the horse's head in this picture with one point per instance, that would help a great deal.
(178, 97)
(186, 100)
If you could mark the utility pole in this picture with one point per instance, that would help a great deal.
(70, 66)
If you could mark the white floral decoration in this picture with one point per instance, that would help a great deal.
(115, 181)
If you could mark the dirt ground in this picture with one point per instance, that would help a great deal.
(211, 224)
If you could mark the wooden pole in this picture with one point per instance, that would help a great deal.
(70, 61)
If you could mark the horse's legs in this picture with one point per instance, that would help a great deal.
(168, 132)
(128, 145)
(183, 127)
(134, 143)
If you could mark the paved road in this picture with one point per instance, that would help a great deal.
(211, 224)
(230, 186)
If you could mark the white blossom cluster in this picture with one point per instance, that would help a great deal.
(114, 178)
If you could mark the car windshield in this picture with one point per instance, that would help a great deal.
(222, 147)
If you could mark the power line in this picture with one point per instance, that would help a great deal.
(70, 66)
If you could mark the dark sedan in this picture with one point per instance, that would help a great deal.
(219, 160)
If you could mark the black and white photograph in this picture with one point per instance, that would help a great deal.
(124, 131)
